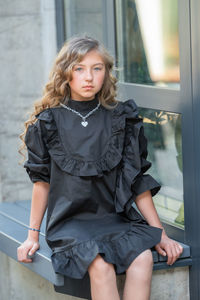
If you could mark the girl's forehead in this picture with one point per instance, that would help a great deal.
(92, 56)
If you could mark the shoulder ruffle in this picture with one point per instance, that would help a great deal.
(131, 180)
(70, 164)
(127, 149)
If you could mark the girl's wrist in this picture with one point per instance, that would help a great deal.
(33, 235)
(161, 227)
(34, 229)
(163, 232)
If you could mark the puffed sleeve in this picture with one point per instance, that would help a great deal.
(38, 162)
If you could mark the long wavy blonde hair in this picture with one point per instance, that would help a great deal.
(57, 89)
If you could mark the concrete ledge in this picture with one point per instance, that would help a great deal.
(12, 235)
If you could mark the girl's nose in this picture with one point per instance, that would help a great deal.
(88, 75)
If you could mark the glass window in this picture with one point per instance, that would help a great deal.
(83, 17)
(163, 131)
(147, 42)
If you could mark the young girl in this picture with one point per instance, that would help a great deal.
(87, 157)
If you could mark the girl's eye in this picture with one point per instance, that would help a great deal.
(96, 69)
(78, 69)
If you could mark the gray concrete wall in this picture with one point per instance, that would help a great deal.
(28, 47)
(166, 284)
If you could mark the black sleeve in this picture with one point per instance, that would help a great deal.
(38, 163)
(144, 182)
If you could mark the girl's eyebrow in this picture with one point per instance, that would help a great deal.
(92, 65)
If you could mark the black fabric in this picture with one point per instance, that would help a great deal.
(95, 174)
(38, 163)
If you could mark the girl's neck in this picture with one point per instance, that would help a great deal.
(83, 105)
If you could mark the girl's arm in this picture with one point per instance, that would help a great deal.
(166, 246)
(38, 208)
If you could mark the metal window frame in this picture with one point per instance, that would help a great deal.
(60, 23)
(171, 100)
(193, 184)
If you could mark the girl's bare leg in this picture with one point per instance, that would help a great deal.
(138, 278)
(103, 280)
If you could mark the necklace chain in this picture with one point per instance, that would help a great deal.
(84, 122)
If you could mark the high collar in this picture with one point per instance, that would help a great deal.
(83, 105)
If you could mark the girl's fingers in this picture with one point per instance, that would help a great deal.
(176, 250)
(175, 254)
(27, 260)
(22, 255)
(25, 251)
(170, 248)
(169, 256)
(160, 250)
(180, 248)
(33, 249)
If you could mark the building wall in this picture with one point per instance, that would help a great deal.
(28, 46)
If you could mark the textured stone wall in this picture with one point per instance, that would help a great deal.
(171, 284)
(27, 39)
(166, 284)
(28, 46)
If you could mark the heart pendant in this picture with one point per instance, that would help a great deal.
(84, 123)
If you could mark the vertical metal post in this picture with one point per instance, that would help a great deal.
(60, 23)
(193, 219)
(109, 36)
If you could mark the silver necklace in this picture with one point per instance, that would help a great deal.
(84, 122)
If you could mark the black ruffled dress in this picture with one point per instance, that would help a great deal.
(95, 173)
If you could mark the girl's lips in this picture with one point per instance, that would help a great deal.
(88, 87)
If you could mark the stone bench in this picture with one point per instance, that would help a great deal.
(14, 223)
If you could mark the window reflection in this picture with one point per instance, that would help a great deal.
(83, 17)
(147, 41)
(163, 131)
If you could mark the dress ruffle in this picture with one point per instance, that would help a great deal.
(72, 165)
(127, 147)
(74, 262)
(131, 180)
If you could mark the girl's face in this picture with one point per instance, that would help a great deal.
(87, 77)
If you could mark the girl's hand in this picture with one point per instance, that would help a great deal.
(170, 248)
(28, 247)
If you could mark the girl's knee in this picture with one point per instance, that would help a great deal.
(144, 261)
(100, 269)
